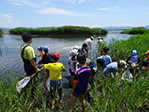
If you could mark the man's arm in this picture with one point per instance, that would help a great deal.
(34, 65)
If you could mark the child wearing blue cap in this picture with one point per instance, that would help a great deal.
(134, 61)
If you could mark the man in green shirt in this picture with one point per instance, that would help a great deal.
(28, 55)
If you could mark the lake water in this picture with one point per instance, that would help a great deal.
(10, 61)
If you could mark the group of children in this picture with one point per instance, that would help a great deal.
(82, 70)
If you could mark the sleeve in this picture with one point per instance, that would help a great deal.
(63, 66)
(47, 66)
(30, 53)
(110, 60)
(76, 77)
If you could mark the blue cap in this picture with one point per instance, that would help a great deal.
(39, 48)
(45, 48)
(134, 53)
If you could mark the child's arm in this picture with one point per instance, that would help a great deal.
(75, 65)
(63, 69)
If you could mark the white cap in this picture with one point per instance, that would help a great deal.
(76, 47)
(99, 37)
(92, 37)
(123, 63)
(73, 52)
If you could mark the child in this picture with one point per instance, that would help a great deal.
(81, 80)
(111, 68)
(134, 61)
(41, 54)
(146, 64)
(72, 62)
(147, 55)
(83, 49)
(55, 76)
(105, 56)
(46, 58)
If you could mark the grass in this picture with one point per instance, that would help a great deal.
(117, 97)
(26, 101)
(133, 97)
(1, 31)
(64, 30)
(138, 30)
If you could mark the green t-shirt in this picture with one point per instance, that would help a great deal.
(28, 52)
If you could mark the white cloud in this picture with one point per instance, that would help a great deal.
(81, 1)
(8, 20)
(109, 8)
(7, 17)
(105, 9)
(74, 1)
(57, 11)
(30, 3)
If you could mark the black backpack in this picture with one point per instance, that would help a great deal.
(46, 59)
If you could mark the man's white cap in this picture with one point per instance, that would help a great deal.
(92, 37)
(76, 47)
(99, 37)
(123, 63)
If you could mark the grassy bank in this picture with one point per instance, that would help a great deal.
(139, 30)
(64, 30)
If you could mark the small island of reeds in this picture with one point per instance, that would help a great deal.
(1, 31)
(64, 30)
(138, 30)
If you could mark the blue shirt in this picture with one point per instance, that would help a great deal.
(82, 76)
(107, 59)
(111, 68)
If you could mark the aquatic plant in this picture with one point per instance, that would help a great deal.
(1, 31)
(64, 30)
(138, 30)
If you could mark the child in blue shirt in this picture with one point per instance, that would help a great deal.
(81, 80)
(105, 56)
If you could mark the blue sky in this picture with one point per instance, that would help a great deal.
(90, 13)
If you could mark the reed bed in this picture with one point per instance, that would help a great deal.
(138, 30)
(1, 31)
(64, 30)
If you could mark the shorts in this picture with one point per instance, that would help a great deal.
(77, 94)
(55, 85)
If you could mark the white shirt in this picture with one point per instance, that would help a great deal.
(89, 43)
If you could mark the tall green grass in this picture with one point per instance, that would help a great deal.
(64, 30)
(122, 49)
(1, 31)
(138, 30)
(129, 97)
(26, 101)
(122, 96)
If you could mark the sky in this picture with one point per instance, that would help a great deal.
(89, 13)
